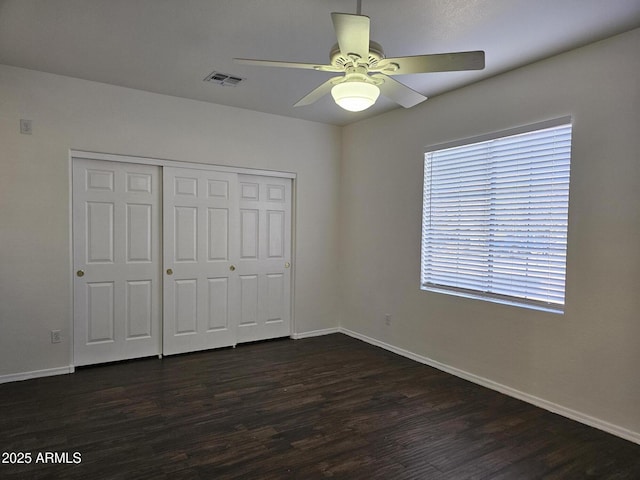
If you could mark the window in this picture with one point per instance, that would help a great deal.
(494, 221)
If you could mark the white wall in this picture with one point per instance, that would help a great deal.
(35, 280)
(587, 359)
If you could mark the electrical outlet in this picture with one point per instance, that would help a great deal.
(26, 127)
(56, 336)
(387, 319)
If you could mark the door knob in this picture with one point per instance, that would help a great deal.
(232, 268)
(287, 265)
(80, 273)
(169, 271)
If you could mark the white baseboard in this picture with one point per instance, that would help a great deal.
(512, 392)
(15, 377)
(315, 333)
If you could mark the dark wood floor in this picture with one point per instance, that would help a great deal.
(322, 407)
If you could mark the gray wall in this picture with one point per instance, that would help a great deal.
(587, 359)
(35, 278)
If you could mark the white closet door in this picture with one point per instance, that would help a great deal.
(200, 221)
(264, 258)
(116, 230)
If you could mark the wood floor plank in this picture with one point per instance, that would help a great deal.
(325, 407)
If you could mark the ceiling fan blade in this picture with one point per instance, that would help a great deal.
(442, 62)
(353, 33)
(398, 92)
(317, 93)
(271, 63)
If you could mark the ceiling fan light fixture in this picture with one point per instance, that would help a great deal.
(355, 96)
(367, 70)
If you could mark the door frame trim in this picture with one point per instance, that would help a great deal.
(111, 157)
(177, 163)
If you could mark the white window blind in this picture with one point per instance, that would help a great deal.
(495, 217)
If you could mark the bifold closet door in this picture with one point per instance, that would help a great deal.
(200, 223)
(116, 238)
(264, 265)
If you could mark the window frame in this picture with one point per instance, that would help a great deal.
(477, 294)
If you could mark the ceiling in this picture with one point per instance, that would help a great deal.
(169, 46)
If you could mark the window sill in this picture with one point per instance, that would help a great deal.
(502, 301)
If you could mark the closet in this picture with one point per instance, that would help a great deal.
(171, 259)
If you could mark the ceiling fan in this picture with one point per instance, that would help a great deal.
(367, 72)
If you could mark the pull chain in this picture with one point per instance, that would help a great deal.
(359, 7)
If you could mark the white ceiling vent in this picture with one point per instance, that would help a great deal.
(224, 79)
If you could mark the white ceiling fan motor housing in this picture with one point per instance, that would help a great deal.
(341, 61)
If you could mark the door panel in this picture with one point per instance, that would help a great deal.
(139, 233)
(249, 301)
(139, 309)
(99, 220)
(116, 239)
(218, 304)
(275, 234)
(275, 297)
(218, 228)
(249, 234)
(101, 315)
(186, 306)
(265, 238)
(186, 234)
(200, 295)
